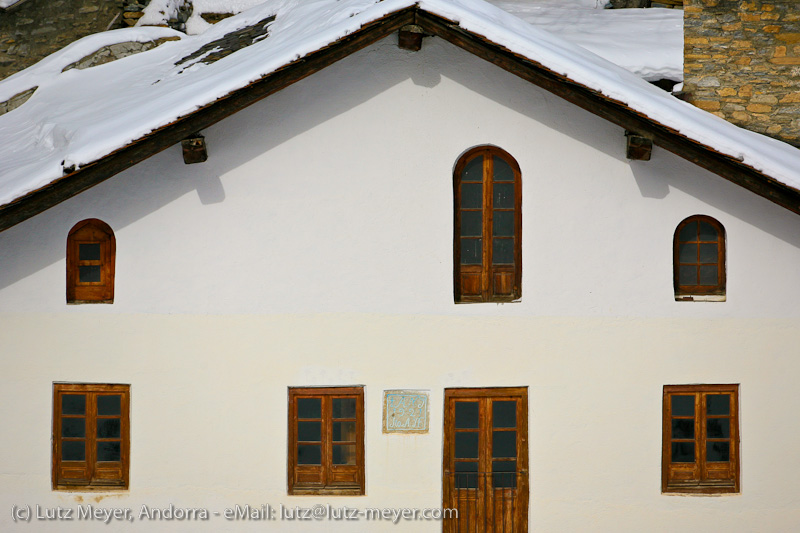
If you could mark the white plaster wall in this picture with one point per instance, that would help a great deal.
(315, 248)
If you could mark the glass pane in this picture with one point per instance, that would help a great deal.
(503, 251)
(688, 253)
(687, 275)
(344, 407)
(309, 408)
(471, 251)
(503, 224)
(73, 450)
(688, 232)
(309, 431)
(467, 445)
(503, 196)
(504, 414)
(682, 428)
(471, 223)
(108, 428)
(89, 273)
(504, 443)
(683, 452)
(472, 195)
(682, 405)
(73, 427)
(718, 452)
(309, 454)
(504, 474)
(718, 404)
(466, 415)
(707, 232)
(89, 251)
(344, 454)
(73, 404)
(108, 451)
(708, 253)
(466, 476)
(473, 171)
(718, 428)
(344, 431)
(502, 170)
(708, 275)
(109, 405)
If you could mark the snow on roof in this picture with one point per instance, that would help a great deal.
(78, 116)
(8, 3)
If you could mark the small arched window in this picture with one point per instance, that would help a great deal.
(699, 259)
(488, 227)
(91, 250)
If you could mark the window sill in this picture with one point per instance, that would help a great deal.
(327, 491)
(700, 298)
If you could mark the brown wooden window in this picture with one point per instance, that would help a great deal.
(326, 440)
(699, 259)
(91, 436)
(91, 251)
(700, 451)
(488, 227)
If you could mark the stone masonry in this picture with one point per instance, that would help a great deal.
(742, 63)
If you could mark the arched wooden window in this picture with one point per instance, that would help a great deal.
(488, 227)
(91, 250)
(699, 259)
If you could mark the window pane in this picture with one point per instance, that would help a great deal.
(473, 171)
(502, 170)
(344, 407)
(466, 476)
(344, 454)
(682, 405)
(718, 452)
(73, 404)
(718, 404)
(109, 405)
(688, 253)
(687, 275)
(707, 232)
(504, 474)
(503, 224)
(471, 223)
(73, 427)
(89, 251)
(73, 450)
(89, 273)
(344, 431)
(471, 251)
(108, 451)
(503, 251)
(708, 253)
(682, 428)
(688, 232)
(504, 443)
(683, 452)
(108, 428)
(503, 196)
(309, 431)
(472, 195)
(504, 414)
(708, 275)
(309, 454)
(309, 408)
(718, 428)
(466, 415)
(466, 445)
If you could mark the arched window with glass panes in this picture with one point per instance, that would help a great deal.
(699, 259)
(488, 227)
(91, 254)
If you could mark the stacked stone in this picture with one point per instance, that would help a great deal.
(133, 10)
(742, 63)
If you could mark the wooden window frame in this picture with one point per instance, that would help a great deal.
(91, 231)
(487, 282)
(90, 474)
(341, 480)
(701, 476)
(689, 293)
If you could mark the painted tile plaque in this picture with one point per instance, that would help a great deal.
(405, 411)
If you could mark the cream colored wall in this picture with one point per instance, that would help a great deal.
(315, 248)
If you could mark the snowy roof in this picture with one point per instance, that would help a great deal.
(82, 126)
(8, 4)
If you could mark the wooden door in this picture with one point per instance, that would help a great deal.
(485, 467)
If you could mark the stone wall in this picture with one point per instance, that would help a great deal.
(742, 63)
